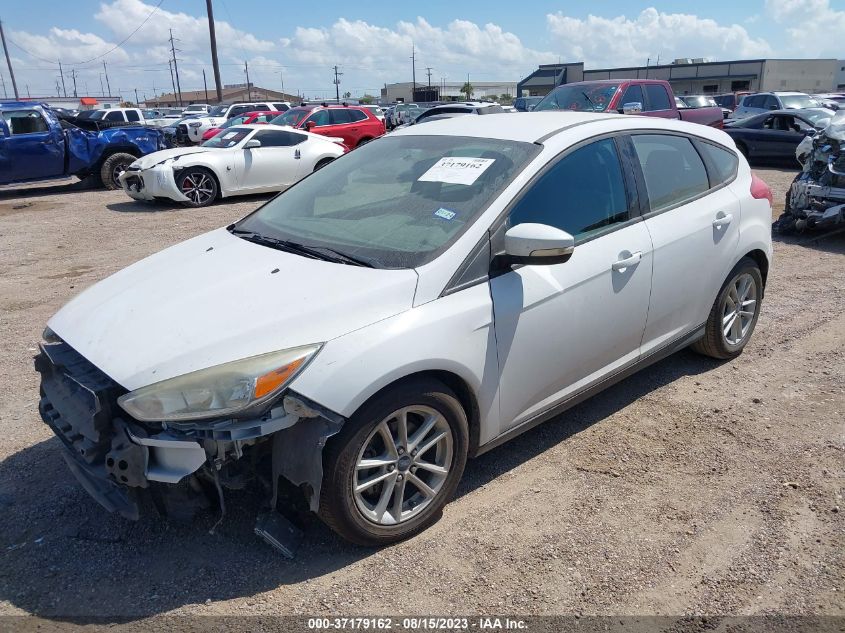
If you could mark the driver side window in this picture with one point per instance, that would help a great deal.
(583, 194)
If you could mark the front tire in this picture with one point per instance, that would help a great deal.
(112, 167)
(734, 313)
(395, 464)
(199, 185)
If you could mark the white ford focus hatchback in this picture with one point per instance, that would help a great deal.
(414, 303)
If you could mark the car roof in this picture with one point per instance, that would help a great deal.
(528, 128)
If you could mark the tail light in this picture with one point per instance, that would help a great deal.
(759, 189)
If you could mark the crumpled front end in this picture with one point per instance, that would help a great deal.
(158, 181)
(182, 466)
(816, 199)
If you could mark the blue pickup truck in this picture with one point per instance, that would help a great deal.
(35, 144)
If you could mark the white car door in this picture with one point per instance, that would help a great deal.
(694, 222)
(274, 166)
(561, 327)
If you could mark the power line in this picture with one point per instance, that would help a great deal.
(112, 49)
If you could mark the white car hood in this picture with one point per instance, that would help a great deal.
(145, 162)
(217, 298)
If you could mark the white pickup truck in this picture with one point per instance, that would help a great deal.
(218, 115)
(123, 115)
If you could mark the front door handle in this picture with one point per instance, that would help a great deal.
(723, 219)
(632, 260)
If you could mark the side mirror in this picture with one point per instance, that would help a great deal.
(634, 107)
(253, 142)
(538, 244)
(773, 107)
(310, 124)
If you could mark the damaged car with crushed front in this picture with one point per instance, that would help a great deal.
(421, 300)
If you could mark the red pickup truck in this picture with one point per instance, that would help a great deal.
(649, 97)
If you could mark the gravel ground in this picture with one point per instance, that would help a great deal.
(692, 487)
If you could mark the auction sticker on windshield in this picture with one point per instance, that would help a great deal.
(457, 170)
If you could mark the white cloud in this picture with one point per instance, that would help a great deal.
(66, 44)
(813, 28)
(122, 17)
(621, 41)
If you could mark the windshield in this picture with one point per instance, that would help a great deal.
(816, 117)
(218, 110)
(238, 120)
(230, 138)
(292, 117)
(799, 101)
(398, 202)
(591, 97)
(698, 101)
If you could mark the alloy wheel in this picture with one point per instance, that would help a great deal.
(402, 465)
(198, 187)
(739, 309)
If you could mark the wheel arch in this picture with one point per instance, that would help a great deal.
(466, 397)
(110, 150)
(762, 262)
(208, 168)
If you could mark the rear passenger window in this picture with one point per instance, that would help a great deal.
(132, 115)
(658, 98)
(337, 117)
(582, 194)
(721, 163)
(115, 116)
(357, 115)
(673, 170)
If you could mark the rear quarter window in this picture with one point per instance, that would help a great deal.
(721, 163)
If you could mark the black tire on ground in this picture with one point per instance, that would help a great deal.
(322, 163)
(715, 343)
(111, 168)
(199, 185)
(338, 507)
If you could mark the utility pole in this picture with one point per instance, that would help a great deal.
(172, 82)
(28, 96)
(248, 87)
(102, 88)
(337, 84)
(413, 70)
(62, 75)
(205, 85)
(73, 76)
(3, 83)
(9, 61)
(58, 87)
(428, 70)
(106, 73)
(214, 63)
(175, 68)
(136, 97)
(282, 77)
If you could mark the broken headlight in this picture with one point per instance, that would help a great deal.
(216, 391)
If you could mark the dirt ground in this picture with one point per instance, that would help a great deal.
(693, 487)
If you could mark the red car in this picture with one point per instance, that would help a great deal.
(244, 119)
(355, 125)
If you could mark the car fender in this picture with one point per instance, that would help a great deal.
(453, 334)
(218, 163)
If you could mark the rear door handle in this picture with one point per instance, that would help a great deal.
(633, 260)
(723, 219)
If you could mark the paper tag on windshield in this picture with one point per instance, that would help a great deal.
(457, 170)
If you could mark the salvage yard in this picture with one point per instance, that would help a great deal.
(692, 487)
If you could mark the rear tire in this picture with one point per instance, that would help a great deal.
(734, 313)
(112, 167)
(322, 163)
(411, 476)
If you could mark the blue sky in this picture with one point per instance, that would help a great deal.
(371, 41)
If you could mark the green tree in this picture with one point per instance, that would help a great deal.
(505, 99)
(346, 95)
(367, 98)
(467, 89)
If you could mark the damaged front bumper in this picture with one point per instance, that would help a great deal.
(117, 458)
(158, 181)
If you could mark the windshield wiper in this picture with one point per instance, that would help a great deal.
(587, 97)
(314, 252)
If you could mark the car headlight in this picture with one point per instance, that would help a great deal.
(216, 391)
(194, 124)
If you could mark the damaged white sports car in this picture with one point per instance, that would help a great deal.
(242, 160)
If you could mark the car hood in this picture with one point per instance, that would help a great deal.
(145, 162)
(218, 298)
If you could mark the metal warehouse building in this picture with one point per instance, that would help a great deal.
(445, 91)
(697, 76)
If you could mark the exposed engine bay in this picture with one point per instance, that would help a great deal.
(816, 199)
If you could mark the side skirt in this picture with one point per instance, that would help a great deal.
(589, 392)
